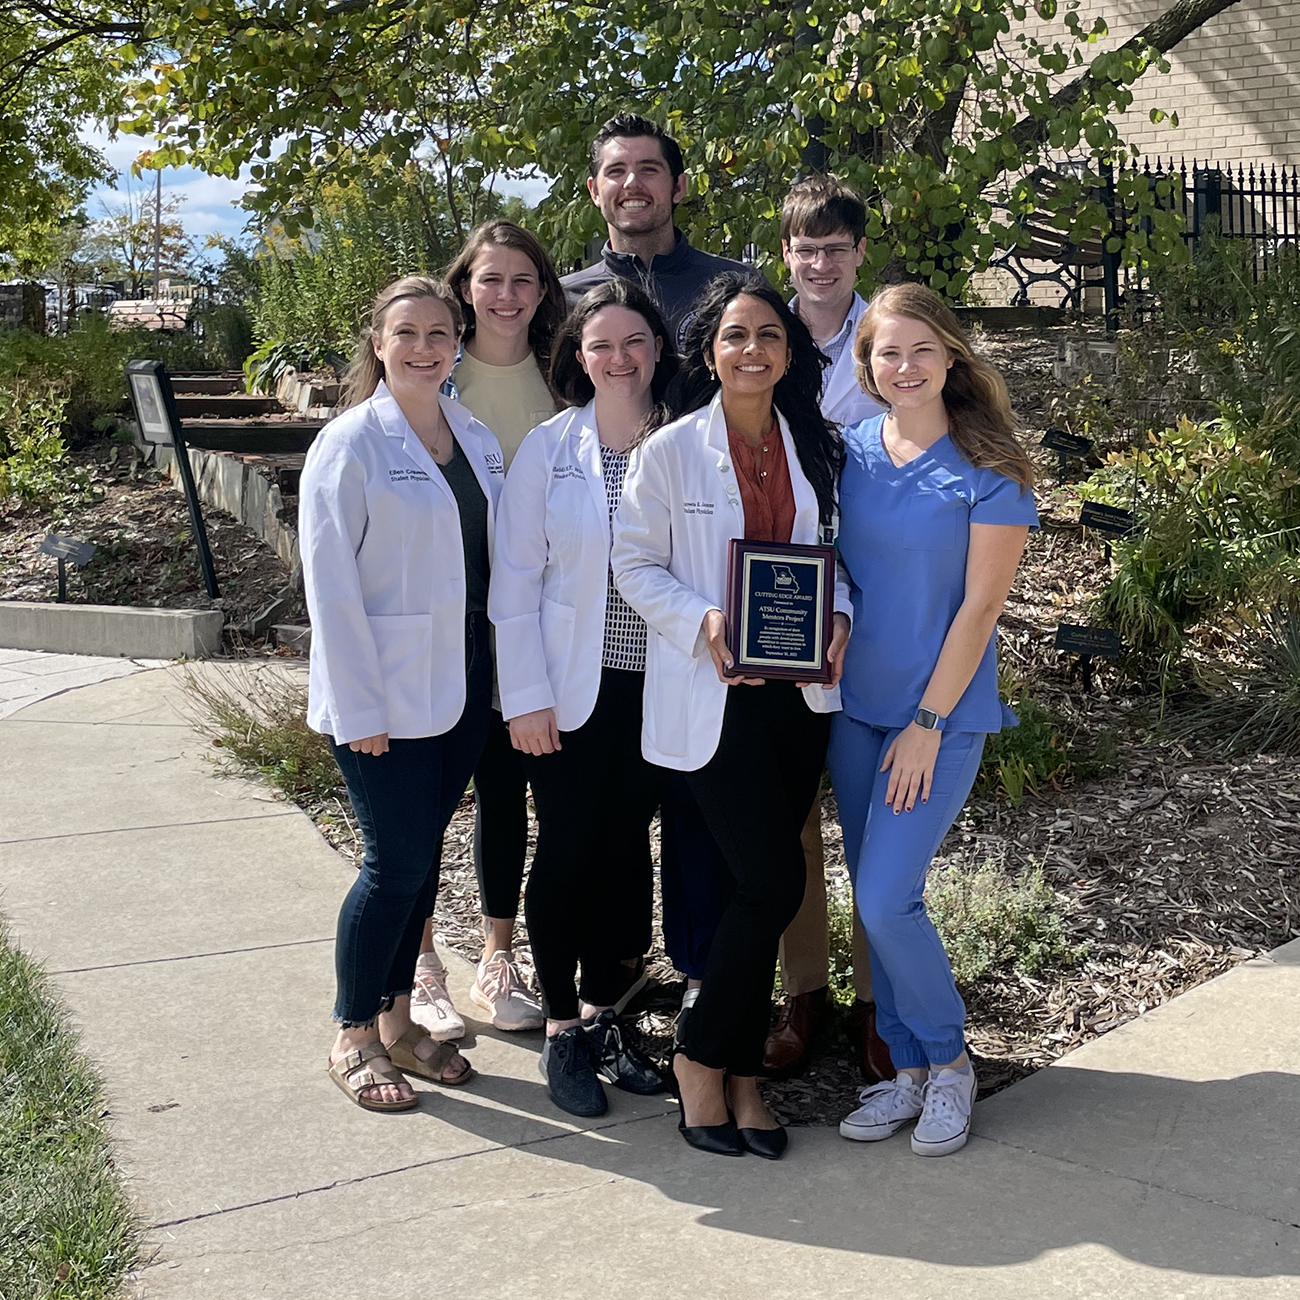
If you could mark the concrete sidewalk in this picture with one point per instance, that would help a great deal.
(188, 922)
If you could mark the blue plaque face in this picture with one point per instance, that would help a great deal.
(780, 621)
(779, 609)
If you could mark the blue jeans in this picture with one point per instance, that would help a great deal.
(403, 801)
(919, 1012)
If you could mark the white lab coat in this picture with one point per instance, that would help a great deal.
(843, 399)
(681, 507)
(384, 571)
(550, 572)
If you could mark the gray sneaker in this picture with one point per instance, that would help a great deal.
(499, 988)
(944, 1125)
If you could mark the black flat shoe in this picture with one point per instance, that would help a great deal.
(770, 1143)
(716, 1139)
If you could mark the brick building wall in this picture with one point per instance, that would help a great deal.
(1235, 82)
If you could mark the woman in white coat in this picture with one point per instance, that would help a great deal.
(752, 457)
(397, 507)
(571, 669)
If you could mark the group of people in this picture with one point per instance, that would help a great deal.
(515, 545)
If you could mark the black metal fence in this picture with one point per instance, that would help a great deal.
(1243, 201)
(1255, 202)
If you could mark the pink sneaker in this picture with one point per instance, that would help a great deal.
(431, 1006)
(500, 989)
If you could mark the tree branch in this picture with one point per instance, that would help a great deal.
(1163, 33)
(935, 135)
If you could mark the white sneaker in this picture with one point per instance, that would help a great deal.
(885, 1108)
(431, 1006)
(944, 1125)
(501, 990)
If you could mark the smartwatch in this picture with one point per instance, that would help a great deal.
(929, 720)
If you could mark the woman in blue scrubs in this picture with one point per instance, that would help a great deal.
(935, 507)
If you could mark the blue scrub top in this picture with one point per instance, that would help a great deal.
(904, 533)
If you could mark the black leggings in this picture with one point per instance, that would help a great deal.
(590, 889)
(754, 795)
(500, 823)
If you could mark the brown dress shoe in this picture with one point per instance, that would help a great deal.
(789, 1044)
(869, 1048)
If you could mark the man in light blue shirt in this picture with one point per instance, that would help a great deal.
(823, 242)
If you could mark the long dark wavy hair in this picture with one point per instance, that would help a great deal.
(569, 380)
(797, 394)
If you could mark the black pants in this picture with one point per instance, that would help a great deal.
(754, 795)
(500, 823)
(590, 890)
(693, 878)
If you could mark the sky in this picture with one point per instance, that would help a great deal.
(210, 205)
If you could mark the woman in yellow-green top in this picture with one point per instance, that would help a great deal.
(513, 304)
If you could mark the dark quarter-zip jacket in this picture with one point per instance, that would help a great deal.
(674, 280)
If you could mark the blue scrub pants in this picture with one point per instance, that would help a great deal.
(919, 1012)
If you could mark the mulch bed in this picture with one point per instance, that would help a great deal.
(1170, 866)
(145, 552)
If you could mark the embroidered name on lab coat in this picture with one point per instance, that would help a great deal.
(407, 474)
(495, 462)
(697, 507)
(566, 471)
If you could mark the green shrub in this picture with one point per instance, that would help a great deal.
(1254, 705)
(68, 1230)
(1220, 526)
(33, 456)
(1243, 331)
(257, 721)
(89, 363)
(1037, 755)
(227, 333)
(1027, 758)
(990, 918)
(839, 918)
(314, 292)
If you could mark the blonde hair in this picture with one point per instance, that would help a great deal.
(366, 369)
(980, 420)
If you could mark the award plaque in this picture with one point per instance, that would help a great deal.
(780, 604)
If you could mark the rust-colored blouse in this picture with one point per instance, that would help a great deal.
(766, 495)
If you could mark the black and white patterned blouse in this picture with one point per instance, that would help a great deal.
(624, 629)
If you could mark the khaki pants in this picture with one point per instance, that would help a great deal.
(805, 946)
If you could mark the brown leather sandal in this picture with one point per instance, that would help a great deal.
(354, 1076)
(402, 1054)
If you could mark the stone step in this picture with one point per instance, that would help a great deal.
(213, 384)
(262, 437)
(226, 405)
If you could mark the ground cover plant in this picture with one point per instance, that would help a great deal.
(68, 1230)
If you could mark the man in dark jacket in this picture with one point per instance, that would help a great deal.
(636, 178)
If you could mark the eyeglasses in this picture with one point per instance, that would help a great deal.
(805, 253)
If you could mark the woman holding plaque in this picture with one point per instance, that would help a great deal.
(936, 506)
(748, 456)
(571, 666)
